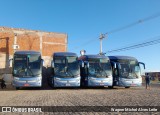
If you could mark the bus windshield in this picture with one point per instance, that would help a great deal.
(99, 67)
(66, 66)
(129, 69)
(27, 65)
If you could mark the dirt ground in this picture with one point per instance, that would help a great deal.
(46, 96)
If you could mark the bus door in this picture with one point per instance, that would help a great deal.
(85, 74)
(82, 72)
(115, 73)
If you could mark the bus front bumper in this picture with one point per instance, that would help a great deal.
(130, 82)
(100, 82)
(66, 82)
(27, 82)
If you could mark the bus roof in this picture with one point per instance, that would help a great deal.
(92, 56)
(122, 57)
(27, 52)
(64, 54)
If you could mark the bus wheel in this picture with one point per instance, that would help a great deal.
(127, 87)
(82, 84)
(110, 87)
(17, 88)
(52, 86)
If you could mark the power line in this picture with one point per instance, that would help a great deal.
(135, 46)
(84, 44)
(121, 28)
(134, 23)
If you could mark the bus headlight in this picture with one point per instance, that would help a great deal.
(109, 76)
(56, 78)
(91, 78)
(78, 80)
(16, 78)
(77, 75)
(39, 79)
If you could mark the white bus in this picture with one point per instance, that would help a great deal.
(27, 69)
(126, 71)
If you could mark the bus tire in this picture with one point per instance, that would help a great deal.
(127, 87)
(52, 86)
(81, 84)
(110, 87)
(17, 88)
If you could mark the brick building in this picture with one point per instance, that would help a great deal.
(45, 42)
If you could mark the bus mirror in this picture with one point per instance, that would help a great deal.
(115, 65)
(9, 62)
(82, 64)
(42, 62)
(142, 64)
(52, 64)
(65, 69)
(87, 64)
(119, 66)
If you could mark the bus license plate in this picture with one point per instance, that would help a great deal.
(101, 83)
(67, 84)
(133, 84)
(26, 84)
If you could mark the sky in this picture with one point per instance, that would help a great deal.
(85, 20)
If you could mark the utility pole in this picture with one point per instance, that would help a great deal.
(101, 38)
(15, 46)
(15, 39)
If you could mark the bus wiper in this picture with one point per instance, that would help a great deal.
(66, 71)
(30, 71)
(19, 71)
(17, 75)
(69, 71)
(135, 74)
(103, 70)
(95, 74)
(71, 74)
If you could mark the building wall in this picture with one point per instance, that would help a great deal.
(154, 75)
(45, 42)
(30, 40)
